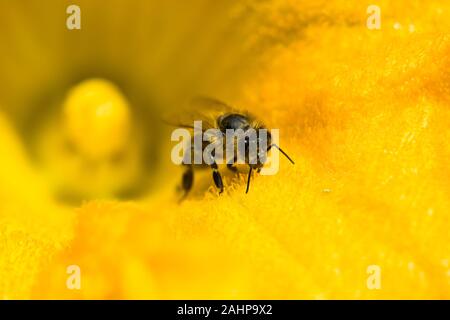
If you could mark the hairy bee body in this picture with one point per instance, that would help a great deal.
(218, 115)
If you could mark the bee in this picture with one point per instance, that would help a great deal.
(215, 114)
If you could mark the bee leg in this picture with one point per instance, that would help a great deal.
(231, 166)
(217, 177)
(187, 181)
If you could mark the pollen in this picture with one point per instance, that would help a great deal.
(97, 118)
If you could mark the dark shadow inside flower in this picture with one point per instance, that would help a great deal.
(106, 146)
(155, 54)
(134, 59)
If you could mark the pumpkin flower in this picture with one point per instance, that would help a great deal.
(88, 192)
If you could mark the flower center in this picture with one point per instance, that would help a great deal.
(97, 118)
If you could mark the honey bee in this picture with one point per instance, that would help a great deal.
(215, 114)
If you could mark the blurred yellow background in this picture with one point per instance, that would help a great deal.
(85, 171)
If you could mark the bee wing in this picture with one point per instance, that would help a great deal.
(204, 109)
(211, 105)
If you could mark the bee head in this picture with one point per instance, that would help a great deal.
(262, 141)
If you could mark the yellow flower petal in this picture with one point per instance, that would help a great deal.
(364, 114)
(32, 226)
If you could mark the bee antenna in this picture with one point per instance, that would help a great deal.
(248, 179)
(284, 153)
